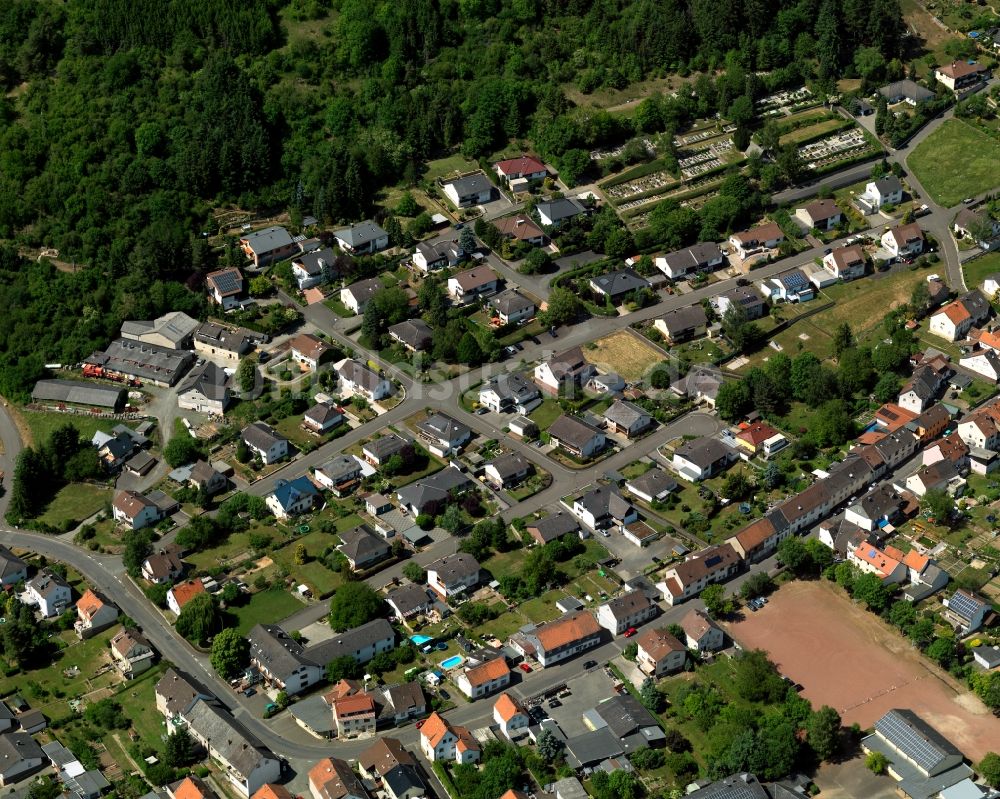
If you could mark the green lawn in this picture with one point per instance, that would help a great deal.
(75, 502)
(546, 413)
(443, 167)
(335, 305)
(41, 424)
(976, 270)
(236, 545)
(265, 607)
(956, 161)
(136, 698)
(48, 685)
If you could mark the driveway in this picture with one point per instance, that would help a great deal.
(851, 779)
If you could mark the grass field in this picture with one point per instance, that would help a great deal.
(974, 271)
(74, 503)
(265, 607)
(443, 167)
(624, 352)
(41, 424)
(50, 684)
(808, 131)
(956, 161)
(546, 413)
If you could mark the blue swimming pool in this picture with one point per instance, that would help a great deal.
(419, 640)
(453, 662)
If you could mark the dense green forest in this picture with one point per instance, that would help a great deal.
(125, 122)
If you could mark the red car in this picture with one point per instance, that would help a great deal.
(630, 632)
(419, 724)
(525, 668)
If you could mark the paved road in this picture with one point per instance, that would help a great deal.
(12, 445)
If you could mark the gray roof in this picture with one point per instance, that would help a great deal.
(77, 392)
(209, 380)
(10, 563)
(413, 332)
(555, 525)
(16, 747)
(440, 425)
(261, 435)
(605, 500)
(511, 301)
(224, 338)
(681, 319)
(175, 327)
(313, 263)
(623, 714)
(620, 282)
(510, 465)
(178, 692)
(46, 582)
(362, 545)
(409, 598)
(593, 747)
(701, 379)
(275, 650)
(654, 483)
(405, 696)
(267, 240)
(358, 374)
(888, 184)
(459, 566)
(386, 446)
(313, 712)
(402, 778)
(563, 208)
(140, 359)
(916, 739)
(908, 89)
(233, 742)
(364, 290)
(386, 753)
(436, 488)
(321, 413)
(361, 234)
(991, 654)
(628, 604)
(348, 642)
(744, 296)
(703, 452)
(512, 386)
(438, 249)
(476, 183)
(626, 414)
(737, 786)
(340, 468)
(575, 432)
(693, 257)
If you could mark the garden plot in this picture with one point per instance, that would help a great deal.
(832, 148)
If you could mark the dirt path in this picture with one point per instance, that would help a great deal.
(850, 659)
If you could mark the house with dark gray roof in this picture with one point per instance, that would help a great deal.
(453, 574)
(510, 393)
(176, 694)
(408, 601)
(700, 257)
(205, 389)
(508, 470)
(315, 268)
(266, 246)
(265, 442)
(906, 90)
(512, 306)
(322, 418)
(356, 296)
(631, 609)
(435, 254)
(472, 189)
(702, 458)
(13, 570)
(379, 450)
(553, 213)
(603, 506)
(363, 548)
(617, 286)
(627, 418)
(414, 334)
(652, 486)
(20, 757)
(555, 525)
(443, 434)
(682, 324)
(339, 473)
(431, 494)
(363, 238)
(701, 384)
(281, 659)
(225, 343)
(361, 643)
(576, 437)
(358, 378)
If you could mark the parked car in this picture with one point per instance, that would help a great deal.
(525, 668)
(630, 632)
(419, 724)
(590, 664)
(555, 703)
(249, 691)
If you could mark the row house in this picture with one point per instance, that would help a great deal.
(625, 612)
(685, 580)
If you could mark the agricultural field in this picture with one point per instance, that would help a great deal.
(624, 352)
(956, 161)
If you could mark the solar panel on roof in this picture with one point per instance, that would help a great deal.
(964, 605)
(902, 731)
(226, 282)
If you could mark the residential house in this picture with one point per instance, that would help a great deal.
(701, 257)
(743, 785)
(846, 263)
(13, 570)
(358, 379)
(820, 214)
(689, 578)
(263, 247)
(926, 576)
(225, 287)
(750, 440)
(265, 442)
(930, 424)
(627, 419)
(510, 393)
(94, 613)
(906, 91)
(443, 435)
(520, 228)
(182, 593)
(567, 370)
(361, 643)
(353, 716)
(511, 306)
(985, 363)
(364, 238)
(869, 559)
(322, 417)
(700, 384)
(627, 720)
(483, 679)
(743, 297)
(473, 283)
(49, 591)
(404, 701)
(404, 782)
(522, 427)
(701, 458)
(763, 237)
(408, 601)
(245, 761)
(654, 485)
(920, 390)
(966, 611)
(510, 715)
(980, 428)
(879, 506)
(333, 778)
(294, 497)
(314, 268)
(552, 527)
(960, 75)
(132, 509)
(363, 548)
(440, 740)
(162, 567)
(379, 450)
(942, 475)
(432, 255)
(468, 190)
(174, 696)
(131, 653)
(553, 213)
(523, 168)
(190, 787)
(618, 286)
(309, 351)
(760, 538)
(559, 640)
(453, 574)
(20, 757)
(682, 324)
(338, 474)
(701, 633)
(954, 321)
(602, 507)
(622, 613)
(981, 228)
(904, 241)
(223, 343)
(205, 389)
(383, 756)
(885, 191)
(988, 657)
(576, 437)
(281, 660)
(173, 331)
(659, 653)
(507, 471)
(790, 286)
(356, 296)
(413, 334)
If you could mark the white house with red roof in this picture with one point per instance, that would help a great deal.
(510, 715)
(525, 167)
(872, 560)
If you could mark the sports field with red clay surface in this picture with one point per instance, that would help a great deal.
(850, 659)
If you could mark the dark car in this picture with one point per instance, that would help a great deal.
(444, 694)
(590, 664)
(555, 703)
(742, 281)
(249, 692)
